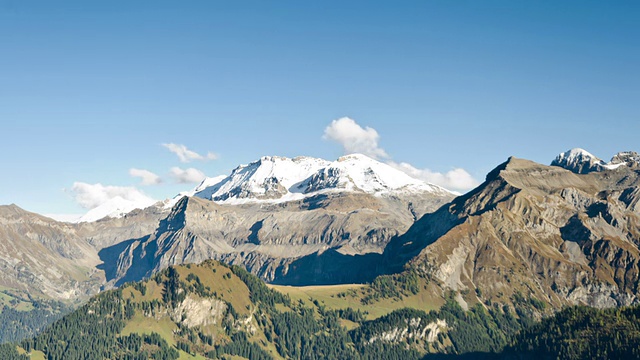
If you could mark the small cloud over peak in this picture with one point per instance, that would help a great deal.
(146, 176)
(185, 155)
(354, 138)
(187, 176)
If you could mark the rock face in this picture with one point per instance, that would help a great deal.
(538, 231)
(628, 158)
(274, 211)
(194, 311)
(45, 258)
(266, 238)
(413, 330)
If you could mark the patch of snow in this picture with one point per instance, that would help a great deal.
(610, 166)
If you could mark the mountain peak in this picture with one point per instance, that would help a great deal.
(281, 179)
(581, 161)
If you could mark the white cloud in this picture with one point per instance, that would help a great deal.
(457, 179)
(90, 196)
(147, 177)
(185, 155)
(187, 176)
(354, 138)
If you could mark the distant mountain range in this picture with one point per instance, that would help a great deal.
(275, 179)
(531, 237)
(263, 215)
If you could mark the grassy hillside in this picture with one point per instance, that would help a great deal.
(213, 311)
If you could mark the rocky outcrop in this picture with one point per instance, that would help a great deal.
(628, 158)
(195, 311)
(413, 330)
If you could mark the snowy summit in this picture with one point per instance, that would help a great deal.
(581, 161)
(280, 179)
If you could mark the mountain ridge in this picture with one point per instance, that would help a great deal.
(281, 179)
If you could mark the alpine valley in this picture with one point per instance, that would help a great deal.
(305, 258)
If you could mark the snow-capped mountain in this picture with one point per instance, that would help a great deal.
(280, 179)
(116, 207)
(581, 161)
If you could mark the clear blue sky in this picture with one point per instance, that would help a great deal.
(91, 89)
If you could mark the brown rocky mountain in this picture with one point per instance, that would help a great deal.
(266, 238)
(354, 205)
(45, 258)
(542, 232)
(539, 231)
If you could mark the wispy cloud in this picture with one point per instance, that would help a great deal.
(185, 155)
(90, 196)
(354, 138)
(357, 139)
(146, 176)
(187, 176)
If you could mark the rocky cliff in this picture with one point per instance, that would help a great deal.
(266, 238)
(534, 231)
(40, 257)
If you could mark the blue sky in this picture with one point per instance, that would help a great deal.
(89, 90)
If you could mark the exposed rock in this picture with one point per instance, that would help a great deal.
(194, 311)
(50, 259)
(413, 330)
(628, 158)
(267, 238)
